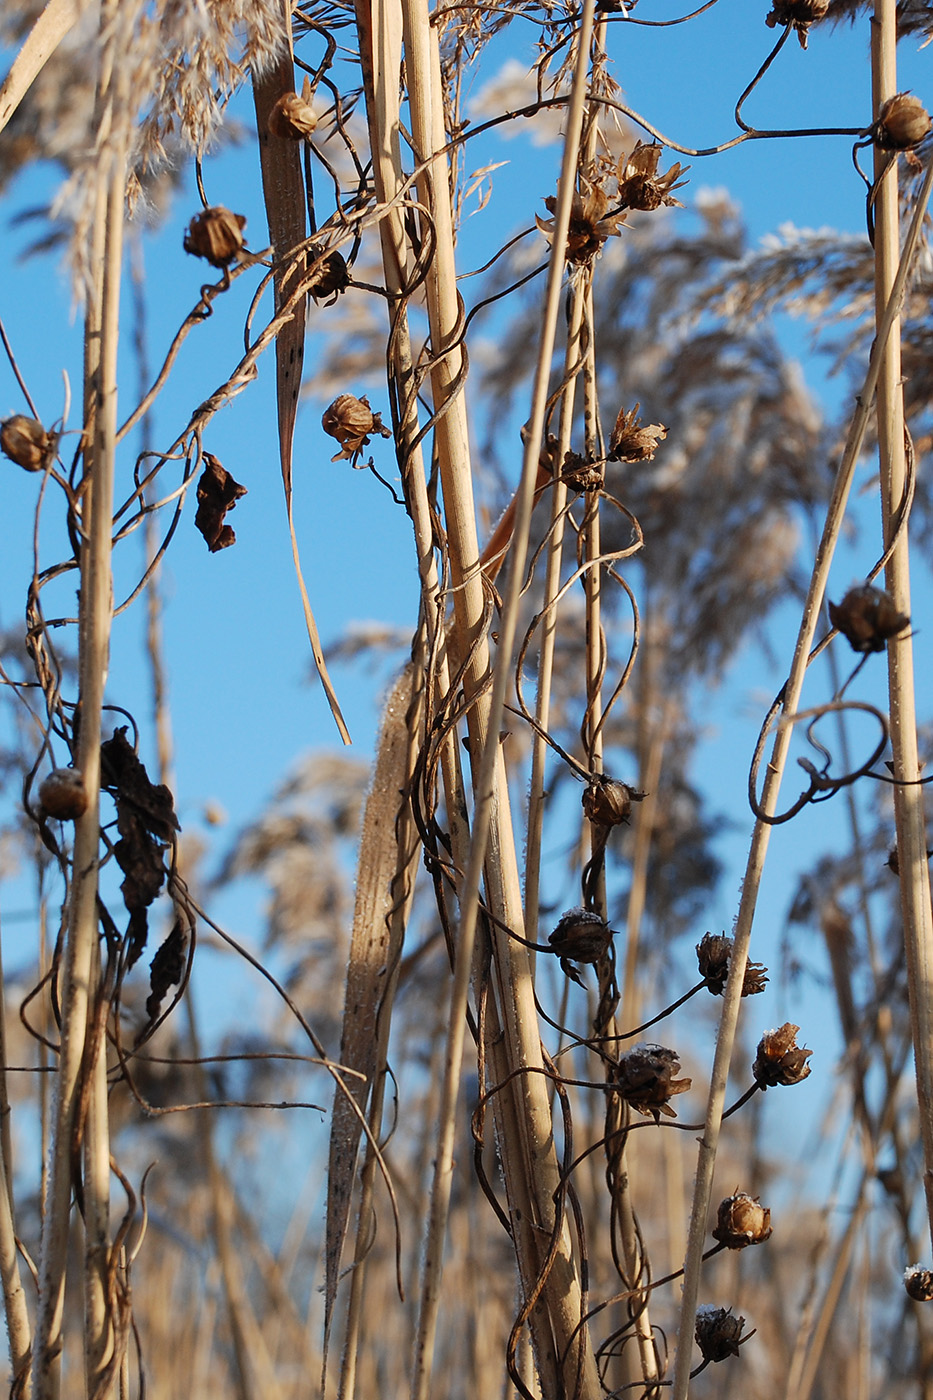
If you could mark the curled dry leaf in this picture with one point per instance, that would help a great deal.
(25, 442)
(147, 823)
(718, 1332)
(217, 493)
(867, 618)
(167, 968)
(216, 235)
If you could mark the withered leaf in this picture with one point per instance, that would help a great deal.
(217, 493)
(125, 777)
(146, 821)
(167, 968)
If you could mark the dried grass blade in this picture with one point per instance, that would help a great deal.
(55, 21)
(284, 194)
(383, 899)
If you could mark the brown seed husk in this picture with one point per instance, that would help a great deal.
(351, 421)
(718, 1332)
(919, 1283)
(62, 794)
(644, 1076)
(780, 1060)
(607, 802)
(292, 118)
(902, 123)
(630, 442)
(25, 442)
(799, 13)
(216, 235)
(713, 953)
(581, 936)
(867, 618)
(741, 1221)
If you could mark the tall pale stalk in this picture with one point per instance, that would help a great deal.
(80, 970)
(522, 1107)
(908, 795)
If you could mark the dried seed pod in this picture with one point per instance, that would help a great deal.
(25, 442)
(919, 1283)
(329, 277)
(216, 235)
(630, 442)
(902, 123)
(640, 185)
(62, 795)
(867, 618)
(713, 953)
(590, 223)
(780, 1060)
(292, 118)
(799, 13)
(581, 936)
(350, 421)
(644, 1076)
(741, 1221)
(718, 1332)
(580, 474)
(607, 802)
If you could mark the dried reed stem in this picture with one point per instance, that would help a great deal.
(768, 802)
(14, 1298)
(528, 1156)
(908, 795)
(50, 28)
(80, 967)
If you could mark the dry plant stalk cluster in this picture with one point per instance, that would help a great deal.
(571, 1307)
